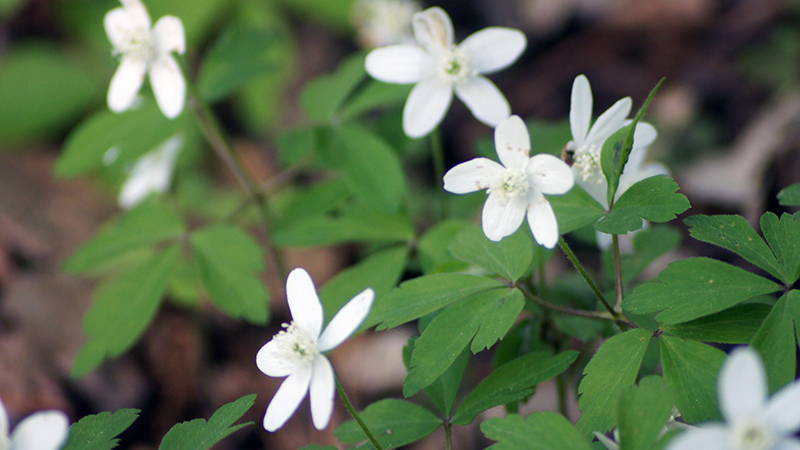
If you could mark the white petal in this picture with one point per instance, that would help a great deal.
(168, 85)
(502, 217)
(598, 191)
(484, 100)
(471, 176)
(742, 385)
(493, 48)
(425, 107)
(303, 301)
(170, 36)
(45, 430)
(550, 175)
(633, 175)
(269, 361)
(399, 64)
(610, 121)
(580, 110)
(322, 388)
(644, 135)
(119, 26)
(3, 421)
(345, 322)
(125, 83)
(783, 410)
(138, 15)
(433, 29)
(787, 444)
(287, 399)
(512, 142)
(152, 173)
(542, 221)
(709, 437)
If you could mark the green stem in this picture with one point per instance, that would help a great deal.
(353, 413)
(448, 435)
(582, 270)
(437, 151)
(617, 271)
(561, 385)
(596, 315)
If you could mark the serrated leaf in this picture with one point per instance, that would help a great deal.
(790, 195)
(509, 258)
(424, 295)
(612, 369)
(539, 431)
(734, 233)
(229, 262)
(122, 309)
(783, 237)
(146, 225)
(575, 209)
(352, 226)
(443, 391)
(690, 369)
(775, 342)
(323, 96)
(655, 199)
(199, 434)
(433, 246)
(736, 325)
(512, 381)
(394, 423)
(100, 431)
(695, 287)
(643, 410)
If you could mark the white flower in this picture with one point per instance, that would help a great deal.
(151, 173)
(384, 22)
(753, 421)
(438, 67)
(296, 351)
(45, 430)
(145, 50)
(516, 187)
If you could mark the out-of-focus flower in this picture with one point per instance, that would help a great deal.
(44, 430)
(516, 187)
(145, 50)
(384, 22)
(296, 352)
(439, 68)
(151, 173)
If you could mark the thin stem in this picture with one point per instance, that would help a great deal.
(596, 315)
(448, 435)
(617, 271)
(349, 406)
(561, 385)
(437, 151)
(582, 270)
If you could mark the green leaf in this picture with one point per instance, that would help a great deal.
(433, 246)
(783, 237)
(424, 295)
(375, 94)
(229, 262)
(122, 309)
(648, 245)
(393, 422)
(451, 330)
(199, 434)
(612, 369)
(336, 14)
(790, 196)
(643, 410)
(655, 199)
(690, 369)
(734, 233)
(300, 205)
(575, 209)
(443, 391)
(540, 431)
(100, 431)
(350, 226)
(147, 224)
(512, 381)
(370, 166)
(695, 287)
(297, 144)
(239, 54)
(509, 258)
(775, 342)
(322, 97)
(736, 325)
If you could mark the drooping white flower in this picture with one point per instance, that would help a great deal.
(296, 352)
(384, 22)
(44, 430)
(151, 173)
(145, 50)
(754, 422)
(516, 187)
(439, 67)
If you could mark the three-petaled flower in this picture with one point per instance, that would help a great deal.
(44, 430)
(515, 187)
(753, 421)
(439, 67)
(296, 352)
(145, 50)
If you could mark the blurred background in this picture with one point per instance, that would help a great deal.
(728, 120)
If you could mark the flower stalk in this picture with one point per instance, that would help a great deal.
(617, 271)
(354, 414)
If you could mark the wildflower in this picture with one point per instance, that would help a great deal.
(515, 187)
(145, 50)
(384, 22)
(151, 173)
(44, 430)
(438, 67)
(296, 352)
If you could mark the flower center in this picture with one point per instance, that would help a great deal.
(295, 344)
(137, 43)
(454, 66)
(512, 183)
(587, 161)
(753, 436)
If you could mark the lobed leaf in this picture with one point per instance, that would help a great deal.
(510, 258)
(736, 325)
(643, 411)
(690, 369)
(201, 434)
(394, 423)
(775, 341)
(783, 237)
(575, 209)
(790, 196)
(100, 431)
(655, 199)
(539, 431)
